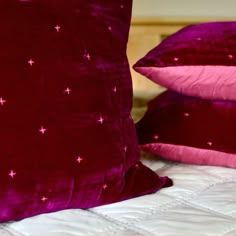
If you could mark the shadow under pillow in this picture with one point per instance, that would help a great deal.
(189, 130)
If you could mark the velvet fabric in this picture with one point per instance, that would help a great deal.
(198, 60)
(66, 136)
(189, 129)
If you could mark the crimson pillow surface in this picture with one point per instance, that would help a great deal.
(198, 60)
(66, 136)
(190, 130)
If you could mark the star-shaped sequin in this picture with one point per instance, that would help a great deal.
(2, 101)
(67, 91)
(31, 62)
(155, 136)
(42, 130)
(101, 120)
(137, 166)
(79, 159)
(104, 186)
(12, 174)
(87, 56)
(57, 28)
(114, 89)
(176, 59)
(209, 144)
(44, 199)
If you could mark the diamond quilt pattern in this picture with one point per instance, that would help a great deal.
(201, 202)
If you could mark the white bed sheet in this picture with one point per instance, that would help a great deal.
(202, 202)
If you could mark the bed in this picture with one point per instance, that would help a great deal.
(201, 202)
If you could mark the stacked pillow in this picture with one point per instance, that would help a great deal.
(194, 121)
(67, 139)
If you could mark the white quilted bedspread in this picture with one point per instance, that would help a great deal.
(202, 202)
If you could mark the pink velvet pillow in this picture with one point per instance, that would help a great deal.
(67, 139)
(198, 60)
(190, 130)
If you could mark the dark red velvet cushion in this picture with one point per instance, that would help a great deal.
(66, 136)
(198, 60)
(190, 130)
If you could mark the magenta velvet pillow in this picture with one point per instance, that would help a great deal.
(190, 130)
(198, 60)
(67, 139)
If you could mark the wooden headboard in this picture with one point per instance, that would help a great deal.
(145, 33)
